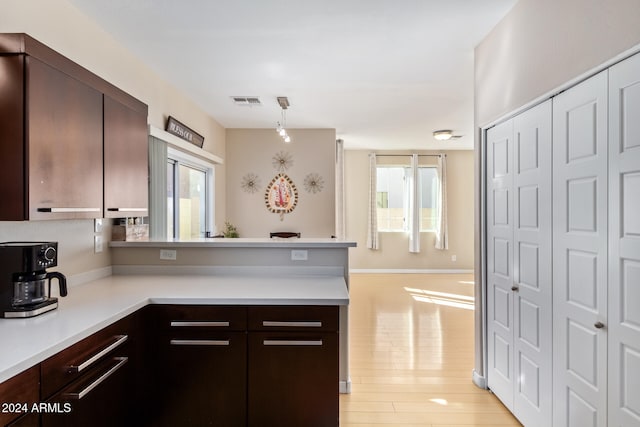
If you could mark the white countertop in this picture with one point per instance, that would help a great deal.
(238, 243)
(90, 307)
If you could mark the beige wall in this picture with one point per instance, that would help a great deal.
(252, 151)
(394, 247)
(542, 44)
(61, 26)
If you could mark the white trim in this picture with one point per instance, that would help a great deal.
(345, 387)
(184, 146)
(409, 271)
(479, 380)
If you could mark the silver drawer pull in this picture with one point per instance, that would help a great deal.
(200, 342)
(202, 324)
(292, 342)
(127, 209)
(69, 210)
(292, 324)
(93, 359)
(96, 383)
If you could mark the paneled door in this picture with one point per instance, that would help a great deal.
(532, 300)
(580, 254)
(624, 243)
(500, 372)
(519, 264)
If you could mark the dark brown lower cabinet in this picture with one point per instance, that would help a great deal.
(202, 380)
(293, 379)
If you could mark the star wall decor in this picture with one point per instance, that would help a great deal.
(313, 183)
(250, 183)
(282, 161)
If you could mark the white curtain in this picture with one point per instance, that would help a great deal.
(340, 227)
(442, 234)
(414, 206)
(372, 217)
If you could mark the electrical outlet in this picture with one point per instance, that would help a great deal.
(299, 255)
(454, 258)
(168, 254)
(97, 244)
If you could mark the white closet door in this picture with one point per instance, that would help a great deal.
(624, 243)
(532, 300)
(500, 372)
(580, 254)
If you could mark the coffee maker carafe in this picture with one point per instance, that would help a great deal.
(25, 285)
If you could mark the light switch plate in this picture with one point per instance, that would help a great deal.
(97, 225)
(97, 244)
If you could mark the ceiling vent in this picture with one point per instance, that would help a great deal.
(243, 101)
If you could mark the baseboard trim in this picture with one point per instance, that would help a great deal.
(409, 271)
(345, 387)
(479, 380)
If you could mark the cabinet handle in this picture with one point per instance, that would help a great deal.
(127, 209)
(200, 342)
(200, 324)
(599, 325)
(292, 324)
(79, 395)
(68, 210)
(292, 342)
(120, 339)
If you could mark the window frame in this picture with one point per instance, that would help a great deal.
(406, 197)
(179, 158)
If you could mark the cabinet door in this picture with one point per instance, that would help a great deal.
(293, 379)
(101, 397)
(126, 164)
(580, 254)
(20, 393)
(12, 168)
(64, 134)
(624, 243)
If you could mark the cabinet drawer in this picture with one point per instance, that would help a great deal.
(71, 363)
(177, 318)
(19, 391)
(294, 318)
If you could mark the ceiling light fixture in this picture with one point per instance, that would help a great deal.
(443, 135)
(283, 102)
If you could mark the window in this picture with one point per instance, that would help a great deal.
(393, 197)
(189, 196)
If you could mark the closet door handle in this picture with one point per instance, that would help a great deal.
(120, 339)
(599, 325)
(515, 288)
(199, 324)
(79, 395)
(200, 342)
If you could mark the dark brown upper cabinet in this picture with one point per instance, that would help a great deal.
(71, 144)
(126, 161)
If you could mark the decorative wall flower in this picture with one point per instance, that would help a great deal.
(282, 161)
(250, 183)
(313, 183)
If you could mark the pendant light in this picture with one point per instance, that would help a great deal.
(283, 102)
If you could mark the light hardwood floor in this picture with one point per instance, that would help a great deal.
(411, 354)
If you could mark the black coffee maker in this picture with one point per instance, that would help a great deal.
(23, 278)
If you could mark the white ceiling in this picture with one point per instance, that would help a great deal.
(384, 73)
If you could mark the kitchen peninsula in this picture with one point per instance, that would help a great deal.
(264, 288)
